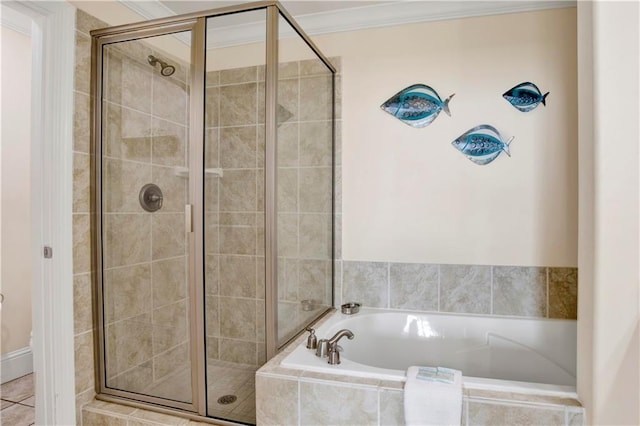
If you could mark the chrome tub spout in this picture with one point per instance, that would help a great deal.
(334, 355)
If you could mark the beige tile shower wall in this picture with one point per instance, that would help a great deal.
(234, 215)
(541, 292)
(82, 284)
(304, 190)
(234, 204)
(145, 271)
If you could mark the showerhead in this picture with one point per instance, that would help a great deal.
(165, 69)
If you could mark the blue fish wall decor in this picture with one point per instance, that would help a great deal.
(482, 144)
(417, 105)
(525, 96)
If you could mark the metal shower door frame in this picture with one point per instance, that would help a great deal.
(100, 39)
(196, 24)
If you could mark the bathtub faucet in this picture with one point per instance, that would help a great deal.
(334, 355)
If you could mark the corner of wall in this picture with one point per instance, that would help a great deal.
(585, 207)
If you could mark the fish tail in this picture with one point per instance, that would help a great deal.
(445, 106)
(544, 99)
(506, 146)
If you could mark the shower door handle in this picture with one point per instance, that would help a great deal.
(188, 218)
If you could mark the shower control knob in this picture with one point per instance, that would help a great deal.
(151, 197)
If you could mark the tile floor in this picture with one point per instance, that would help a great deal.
(18, 402)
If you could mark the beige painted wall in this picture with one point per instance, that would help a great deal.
(408, 195)
(609, 332)
(16, 184)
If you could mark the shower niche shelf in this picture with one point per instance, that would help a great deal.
(210, 172)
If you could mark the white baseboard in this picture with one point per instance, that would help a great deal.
(16, 364)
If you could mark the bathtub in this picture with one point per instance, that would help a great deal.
(502, 354)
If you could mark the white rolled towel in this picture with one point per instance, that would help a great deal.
(433, 396)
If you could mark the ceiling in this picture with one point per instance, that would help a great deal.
(294, 7)
(323, 17)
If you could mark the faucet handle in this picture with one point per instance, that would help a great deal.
(312, 341)
(334, 357)
(322, 350)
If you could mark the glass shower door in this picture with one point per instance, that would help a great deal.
(234, 215)
(213, 213)
(304, 185)
(144, 186)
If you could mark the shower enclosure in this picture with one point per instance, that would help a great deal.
(213, 231)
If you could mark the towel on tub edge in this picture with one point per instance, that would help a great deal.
(432, 396)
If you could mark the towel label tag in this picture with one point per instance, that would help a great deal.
(436, 374)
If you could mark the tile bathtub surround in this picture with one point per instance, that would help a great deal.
(299, 397)
(414, 286)
(538, 292)
(563, 290)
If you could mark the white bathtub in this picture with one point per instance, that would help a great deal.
(507, 354)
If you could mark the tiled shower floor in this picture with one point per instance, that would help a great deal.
(226, 378)
(223, 378)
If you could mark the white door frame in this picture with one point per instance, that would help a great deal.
(53, 44)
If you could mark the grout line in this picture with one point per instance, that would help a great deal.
(228, 212)
(299, 403)
(491, 292)
(137, 213)
(298, 198)
(389, 285)
(379, 404)
(340, 297)
(530, 403)
(114, 268)
(439, 273)
(466, 422)
(217, 135)
(146, 114)
(547, 283)
(329, 381)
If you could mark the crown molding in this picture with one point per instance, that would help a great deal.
(358, 18)
(15, 20)
(411, 12)
(148, 9)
